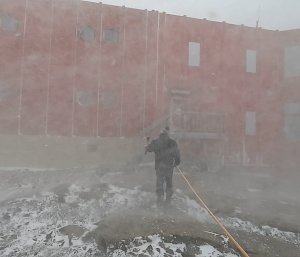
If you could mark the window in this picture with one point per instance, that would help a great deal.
(87, 34)
(108, 100)
(292, 121)
(86, 98)
(251, 61)
(194, 54)
(8, 23)
(250, 124)
(292, 61)
(111, 35)
(5, 91)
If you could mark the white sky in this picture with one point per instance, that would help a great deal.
(274, 14)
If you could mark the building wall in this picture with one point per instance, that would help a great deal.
(81, 69)
(60, 152)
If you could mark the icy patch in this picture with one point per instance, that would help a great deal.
(210, 251)
(32, 225)
(190, 207)
(74, 191)
(238, 224)
(156, 246)
(117, 197)
(152, 247)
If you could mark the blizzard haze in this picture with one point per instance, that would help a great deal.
(274, 15)
(90, 94)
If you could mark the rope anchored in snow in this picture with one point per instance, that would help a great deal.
(231, 238)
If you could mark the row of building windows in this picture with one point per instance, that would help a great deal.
(291, 122)
(86, 33)
(194, 57)
(291, 60)
(108, 35)
(111, 35)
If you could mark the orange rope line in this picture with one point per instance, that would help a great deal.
(242, 251)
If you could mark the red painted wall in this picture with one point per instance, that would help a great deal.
(55, 83)
(11, 52)
(62, 69)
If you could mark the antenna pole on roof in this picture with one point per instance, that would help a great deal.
(258, 16)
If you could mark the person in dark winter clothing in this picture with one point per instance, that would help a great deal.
(167, 156)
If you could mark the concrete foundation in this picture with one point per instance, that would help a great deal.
(53, 152)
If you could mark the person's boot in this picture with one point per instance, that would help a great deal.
(168, 200)
(159, 201)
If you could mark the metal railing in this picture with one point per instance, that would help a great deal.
(199, 122)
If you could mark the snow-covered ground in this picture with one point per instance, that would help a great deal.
(58, 221)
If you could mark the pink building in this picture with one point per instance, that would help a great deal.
(75, 68)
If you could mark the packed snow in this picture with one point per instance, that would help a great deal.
(38, 225)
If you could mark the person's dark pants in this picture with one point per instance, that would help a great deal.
(164, 175)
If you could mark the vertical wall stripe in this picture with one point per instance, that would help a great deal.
(49, 68)
(164, 102)
(75, 68)
(123, 73)
(157, 60)
(185, 46)
(146, 69)
(22, 69)
(99, 72)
